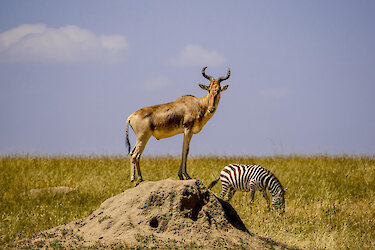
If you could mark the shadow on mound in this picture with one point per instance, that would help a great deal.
(232, 216)
(167, 213)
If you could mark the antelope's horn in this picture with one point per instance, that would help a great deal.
(210, 78)
(223, 78)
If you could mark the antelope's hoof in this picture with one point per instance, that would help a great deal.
(138, 182)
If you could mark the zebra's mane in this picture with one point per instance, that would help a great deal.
(279, 187)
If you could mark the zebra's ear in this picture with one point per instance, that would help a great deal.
(285, 189)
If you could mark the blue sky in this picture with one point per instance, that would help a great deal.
(302, 82)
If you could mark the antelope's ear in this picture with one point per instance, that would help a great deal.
(223, 88)
(204, 87)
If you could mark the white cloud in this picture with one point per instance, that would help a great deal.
(276, 93)
(158, 82)
(196, 55)
(68, 44)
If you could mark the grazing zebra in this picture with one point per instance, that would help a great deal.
(250, 178)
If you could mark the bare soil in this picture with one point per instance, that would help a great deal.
(167, 214)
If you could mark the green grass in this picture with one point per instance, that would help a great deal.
(330, 202)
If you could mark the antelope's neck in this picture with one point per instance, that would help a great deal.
(206, 102)
(204, 115)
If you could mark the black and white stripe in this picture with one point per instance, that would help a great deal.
(250, 178)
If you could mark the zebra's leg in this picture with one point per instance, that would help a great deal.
(232, 191)
(264, 192)
(224, 190)
(252, 193)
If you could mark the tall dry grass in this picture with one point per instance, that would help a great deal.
(329, 202)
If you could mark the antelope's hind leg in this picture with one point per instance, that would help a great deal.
(135, 157)
(132, 165)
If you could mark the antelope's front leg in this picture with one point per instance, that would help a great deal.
(185, 151)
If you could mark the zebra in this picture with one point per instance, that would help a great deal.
(251, 178)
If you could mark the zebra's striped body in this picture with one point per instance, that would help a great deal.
(250, 178)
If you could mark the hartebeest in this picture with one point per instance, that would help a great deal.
(187, 114)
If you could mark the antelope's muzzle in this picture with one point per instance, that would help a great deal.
(211, 110)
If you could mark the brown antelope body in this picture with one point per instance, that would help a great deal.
(187, 115)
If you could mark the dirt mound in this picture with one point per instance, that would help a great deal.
(168, 213)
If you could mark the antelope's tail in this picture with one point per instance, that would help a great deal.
(127, 134)
(212, 184)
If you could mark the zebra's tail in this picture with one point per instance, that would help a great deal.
(212, 184)
(127, 134)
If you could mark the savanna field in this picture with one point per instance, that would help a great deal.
(330, 202)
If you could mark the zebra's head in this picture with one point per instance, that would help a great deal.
(278, 200)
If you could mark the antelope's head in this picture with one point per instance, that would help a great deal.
(214, 89)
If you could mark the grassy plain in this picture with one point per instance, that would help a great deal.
(330, 202)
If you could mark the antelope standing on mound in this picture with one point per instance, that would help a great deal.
(187, 115)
